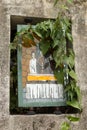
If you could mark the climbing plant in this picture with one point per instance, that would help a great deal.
(55, 40)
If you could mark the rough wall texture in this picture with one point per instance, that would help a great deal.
(40, 8)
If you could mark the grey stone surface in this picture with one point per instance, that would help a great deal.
(40, 8)
(37, 122)
(80, 44)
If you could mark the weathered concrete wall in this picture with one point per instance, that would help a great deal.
(79, 30)
(40, 8)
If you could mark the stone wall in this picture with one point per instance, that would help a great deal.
(40, 8)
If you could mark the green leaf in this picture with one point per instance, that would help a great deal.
(38, 33)
(59, 75)
(74, 104)
(64, 7)
(73, 118)
(65, 126)
(69, 36)
(55, 55)
(58, 62)
(66, 23)
(70, 94)
(44, 46)
(13, 46)
(71, 61)
(78, 92)
(30, 36)
(55, 2)
(70, 1)
(66, 60)
(68, 87)
(57, 43)
(73, 75)
(44, 29)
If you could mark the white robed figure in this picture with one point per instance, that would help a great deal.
(33, 64)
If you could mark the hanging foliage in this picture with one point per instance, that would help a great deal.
(53, 38)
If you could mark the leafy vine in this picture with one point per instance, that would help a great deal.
(55, 39)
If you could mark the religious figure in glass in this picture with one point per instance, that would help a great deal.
(32, 64)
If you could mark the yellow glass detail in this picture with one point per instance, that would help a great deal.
(41, 77)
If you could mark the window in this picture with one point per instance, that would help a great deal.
(40, 100)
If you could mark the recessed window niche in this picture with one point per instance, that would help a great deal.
(33, 90)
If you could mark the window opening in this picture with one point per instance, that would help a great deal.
(14, 109)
